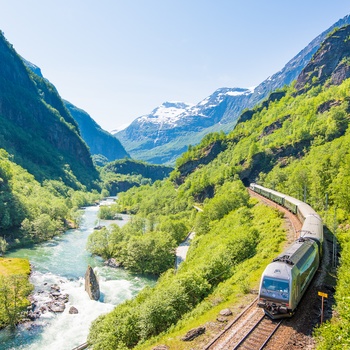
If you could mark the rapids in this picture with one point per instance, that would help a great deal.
(63, 261)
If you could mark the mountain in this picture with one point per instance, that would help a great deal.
(35, 126)
(152, 139)
(330, 64)
(298, 142)
(99, 141)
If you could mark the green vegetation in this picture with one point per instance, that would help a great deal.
(121, 175)
(215, 257)
(297, 144)
(33, 212)
(36, 128)
(30, 212)
(146, 244)
(14, 290)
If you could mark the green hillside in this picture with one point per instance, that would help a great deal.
(121, 175)
(296, 142)
(36, 128)
(31, 211)
(46, 169)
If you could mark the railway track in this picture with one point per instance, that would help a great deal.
(259, 334)
(237, 328)
(293, 219)
(251, 330)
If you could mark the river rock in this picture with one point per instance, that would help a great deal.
(92, 286)
(55, 287)
(161, 347)
(56, 306)
(73, 310)
(193, 333)
(112, 263)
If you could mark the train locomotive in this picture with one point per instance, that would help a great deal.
(285, 280)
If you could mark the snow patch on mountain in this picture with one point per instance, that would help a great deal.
(167, 113)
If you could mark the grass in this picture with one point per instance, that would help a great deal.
(14, 266)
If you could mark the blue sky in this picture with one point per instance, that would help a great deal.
(119, 60)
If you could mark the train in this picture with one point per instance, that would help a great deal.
(285, 280)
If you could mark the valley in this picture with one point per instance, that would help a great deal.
(290, 134)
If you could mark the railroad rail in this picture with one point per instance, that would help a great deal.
(259, 334)
(233, 331)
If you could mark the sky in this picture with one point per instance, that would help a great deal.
(120, 59)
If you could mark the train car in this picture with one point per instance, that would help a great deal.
(260, 189)
(286, 279)
(292, 204)
(313, 229)
(277, 197)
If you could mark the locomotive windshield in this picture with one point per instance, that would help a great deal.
(275, 288)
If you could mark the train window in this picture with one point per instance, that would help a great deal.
(275, 288)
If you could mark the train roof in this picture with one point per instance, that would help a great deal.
(293, 200)
(306, 209)
(312, 227)
(295, 252)
(278, 270)
(279, 194)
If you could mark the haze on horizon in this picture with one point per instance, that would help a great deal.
(118, 60)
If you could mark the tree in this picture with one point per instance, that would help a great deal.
(105, 242)
(150, 253)
(3, 246)
(13, 292)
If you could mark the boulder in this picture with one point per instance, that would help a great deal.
(56, 306)
(112, 263)
(55, 287)
(73, 310)
(92, 286)
(193, 333)
(225, 312)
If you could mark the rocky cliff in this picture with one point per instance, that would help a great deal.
(330, 64)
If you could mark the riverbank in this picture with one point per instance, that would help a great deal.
(61, 262)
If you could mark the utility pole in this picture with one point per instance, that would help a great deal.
(334, 262)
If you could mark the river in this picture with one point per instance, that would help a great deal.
(63, 261)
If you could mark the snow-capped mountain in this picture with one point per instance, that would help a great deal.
(167, 113)
(161, 136)
(174, 119)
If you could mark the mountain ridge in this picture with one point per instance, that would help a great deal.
(100, 142)
(222, 115)
(36, 127)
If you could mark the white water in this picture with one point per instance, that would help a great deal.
(63, 261)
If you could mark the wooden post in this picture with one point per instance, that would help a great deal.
(323, 295)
